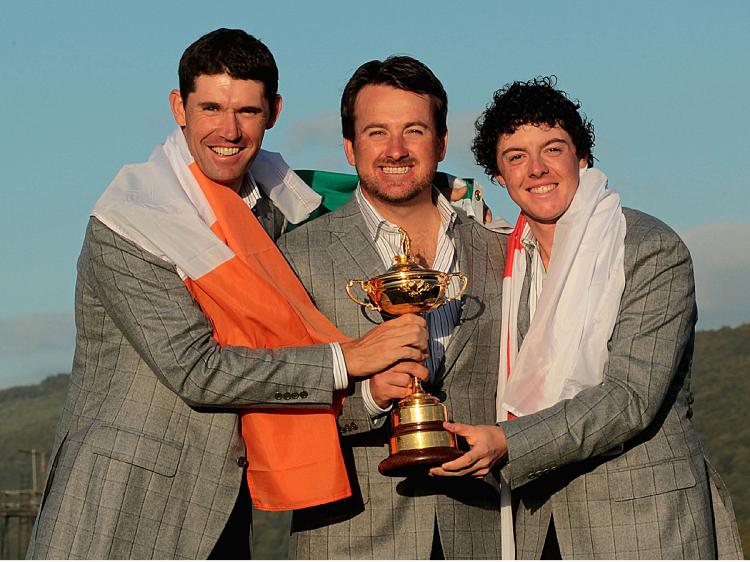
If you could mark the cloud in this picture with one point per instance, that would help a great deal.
(722, 268)
(35, 346)
(460, 138)
(315, 143)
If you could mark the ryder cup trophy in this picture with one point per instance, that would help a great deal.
(418, 440)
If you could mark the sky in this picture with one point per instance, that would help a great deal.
(85, 90)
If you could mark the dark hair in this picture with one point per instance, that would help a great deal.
(536, 102)
(232, 52)
(402, 72)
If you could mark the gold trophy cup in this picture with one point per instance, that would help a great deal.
(418, 440)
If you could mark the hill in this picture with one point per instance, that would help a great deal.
(721, 384)
(30, 414)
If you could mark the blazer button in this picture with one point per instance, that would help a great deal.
(295, 395)
(287, 396)
(690, 398)
(242, 462)
(354, 426)
(278, 396)
(689, 413)
(303, 394)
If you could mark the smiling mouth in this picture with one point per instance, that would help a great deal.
(543, 188)
(225, 150)
(395, 169)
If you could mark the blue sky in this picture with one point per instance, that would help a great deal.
(85, 89)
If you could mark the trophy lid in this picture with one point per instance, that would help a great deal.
(405, 267)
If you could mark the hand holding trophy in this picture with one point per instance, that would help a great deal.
(418, 440)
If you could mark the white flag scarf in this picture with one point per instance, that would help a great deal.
(565, 349)
(159, 206)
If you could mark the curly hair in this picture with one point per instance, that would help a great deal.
(536, 102)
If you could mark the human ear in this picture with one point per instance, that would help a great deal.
(275, 110)
(349, 151)
(178, 107)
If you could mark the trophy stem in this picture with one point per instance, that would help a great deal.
(416, 386)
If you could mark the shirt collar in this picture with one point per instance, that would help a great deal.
(378, 226)
(249, 191)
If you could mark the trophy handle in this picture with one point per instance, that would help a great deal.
(464, 284)
(361, 283)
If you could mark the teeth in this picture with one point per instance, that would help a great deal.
(399, 170)
(225, 150)
(542, 189)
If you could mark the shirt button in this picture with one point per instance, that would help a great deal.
(242, 462)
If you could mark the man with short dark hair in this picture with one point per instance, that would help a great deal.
(594, 401)
(187, 318)
(393, 116)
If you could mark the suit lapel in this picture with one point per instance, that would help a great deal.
(472, 261)
(352, 250)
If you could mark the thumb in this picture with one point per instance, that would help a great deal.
(461, 429)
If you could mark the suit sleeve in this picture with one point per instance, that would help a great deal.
(354, 417)
(654, 327)
(149, 304)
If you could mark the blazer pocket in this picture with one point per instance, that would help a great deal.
(650, 479)
(144, 451)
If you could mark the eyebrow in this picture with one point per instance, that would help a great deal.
(549, 142)
(406, 126)
(252, 108)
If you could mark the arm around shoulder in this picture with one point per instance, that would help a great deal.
(150, 305)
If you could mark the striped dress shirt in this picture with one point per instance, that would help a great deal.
(387, 240)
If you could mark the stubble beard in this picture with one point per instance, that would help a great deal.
(394, 194)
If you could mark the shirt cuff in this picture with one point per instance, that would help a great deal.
(372, 408)
(340, 377)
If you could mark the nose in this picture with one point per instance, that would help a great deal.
(537, 165)
(229, 127)
(396, 148)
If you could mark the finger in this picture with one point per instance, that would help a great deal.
(413, 369)
(403, 335)
(461, 429)
(410, 319)
(463, 464)
(395, 376)
(408, 353)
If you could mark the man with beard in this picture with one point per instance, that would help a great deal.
(187, 318)
(393, 115)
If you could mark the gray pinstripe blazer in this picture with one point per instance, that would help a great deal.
(148, 457)
(394, 518)
(620, 467)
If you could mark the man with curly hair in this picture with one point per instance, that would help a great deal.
(594, 435)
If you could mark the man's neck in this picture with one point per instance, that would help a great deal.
(420, 218)
(545, 236)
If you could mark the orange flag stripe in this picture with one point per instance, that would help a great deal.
(255, 300)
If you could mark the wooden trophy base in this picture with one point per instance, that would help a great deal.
(417, 461)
